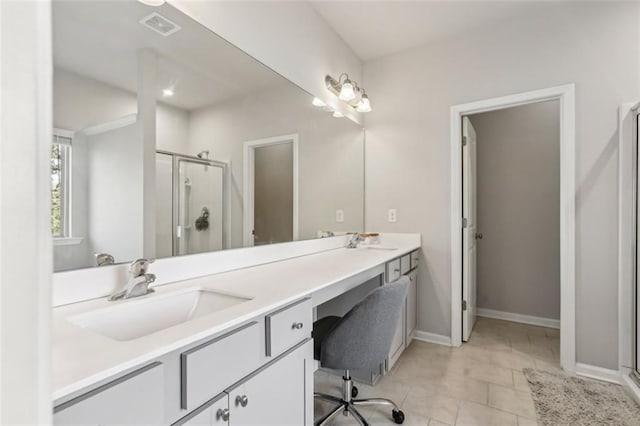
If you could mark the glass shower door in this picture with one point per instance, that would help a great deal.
(199, 214)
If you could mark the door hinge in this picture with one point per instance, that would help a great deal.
(464, 141)
(464, 305)
(464, 222)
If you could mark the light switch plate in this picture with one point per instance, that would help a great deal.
(392, 216)
(339, 215)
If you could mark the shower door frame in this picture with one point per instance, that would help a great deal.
(175, 172)
(635, 374)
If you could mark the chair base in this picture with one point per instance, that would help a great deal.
(347, 404)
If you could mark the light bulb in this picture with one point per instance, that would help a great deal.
(337, 114)
(152, 2)
(168, 92)
(347, 93)
(364, 105)
(318, 102)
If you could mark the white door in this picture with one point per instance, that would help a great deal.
(469, 248)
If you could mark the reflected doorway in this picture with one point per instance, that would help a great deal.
(271, 190)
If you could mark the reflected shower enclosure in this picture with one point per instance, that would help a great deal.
(191, 204)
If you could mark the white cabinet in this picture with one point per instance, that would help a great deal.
(393, 270)
(288, 326)
(134, 399)
(407, 323)
(275, 395)
(208, 368)
(398, 343)
(215, 412)
(412, 306)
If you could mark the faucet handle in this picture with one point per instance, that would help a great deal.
(140, 266)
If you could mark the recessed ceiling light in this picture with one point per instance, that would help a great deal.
(168, 92)
(152, 2)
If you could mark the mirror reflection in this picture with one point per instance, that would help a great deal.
(170, 141)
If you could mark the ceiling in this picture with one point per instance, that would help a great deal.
(377, 28)
(100, 40)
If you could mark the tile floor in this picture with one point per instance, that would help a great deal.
(480, 383)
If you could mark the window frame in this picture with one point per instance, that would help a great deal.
(65, 137)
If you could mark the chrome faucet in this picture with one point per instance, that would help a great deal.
(138, 282)
(354, 240)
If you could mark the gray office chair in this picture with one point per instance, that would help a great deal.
(360, 339)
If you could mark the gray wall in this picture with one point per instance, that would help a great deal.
(518, 166)
(595, 46)
(273, 193)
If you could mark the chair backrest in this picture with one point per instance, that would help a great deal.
(363, 337)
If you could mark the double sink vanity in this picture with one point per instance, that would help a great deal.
(171, 143)
(233, 347)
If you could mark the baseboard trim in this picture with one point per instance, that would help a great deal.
(524, 319)
(599, 373)
(629, 385)
(425, 336)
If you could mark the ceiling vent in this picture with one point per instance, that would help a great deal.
(160, 24)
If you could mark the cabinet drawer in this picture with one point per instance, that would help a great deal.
(134, 399)
(207, 369)
(393, 270)
(288, 326)
(405, 264)
(415, 257)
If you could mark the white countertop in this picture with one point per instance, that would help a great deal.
(83, 358)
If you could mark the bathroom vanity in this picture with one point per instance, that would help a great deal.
(232, 345)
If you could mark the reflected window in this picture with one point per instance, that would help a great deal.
(61, 184)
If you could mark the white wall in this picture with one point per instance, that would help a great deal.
(25, 222)
(289, 37)
(115, 203)
(518, 182)
(80, 102)
(595, 46)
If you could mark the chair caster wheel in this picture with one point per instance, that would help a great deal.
(354, 392)
(398, 416)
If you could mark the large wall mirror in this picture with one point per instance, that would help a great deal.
(170, 141)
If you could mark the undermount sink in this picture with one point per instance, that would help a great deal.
(132, 318)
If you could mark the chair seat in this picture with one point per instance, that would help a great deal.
(320, 329)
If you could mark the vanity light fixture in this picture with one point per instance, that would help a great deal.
(364, 105)
(318, 102)
(348, 91)
(152, 2)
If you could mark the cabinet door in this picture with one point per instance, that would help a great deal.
(398, 343)
(412, 301)
(215, 413)
(275, 395)
(134, 399)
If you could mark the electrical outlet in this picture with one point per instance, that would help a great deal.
(339, 215)
(392, 216)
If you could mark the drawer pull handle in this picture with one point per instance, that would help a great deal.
(223, 414)
(396, 270)
(297, 325)
(242, 400)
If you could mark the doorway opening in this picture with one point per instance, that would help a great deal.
(464, 231)
(270, 190)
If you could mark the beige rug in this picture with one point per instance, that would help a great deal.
(561, 399)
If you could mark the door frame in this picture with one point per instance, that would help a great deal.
(566, 96)
(249, 148)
